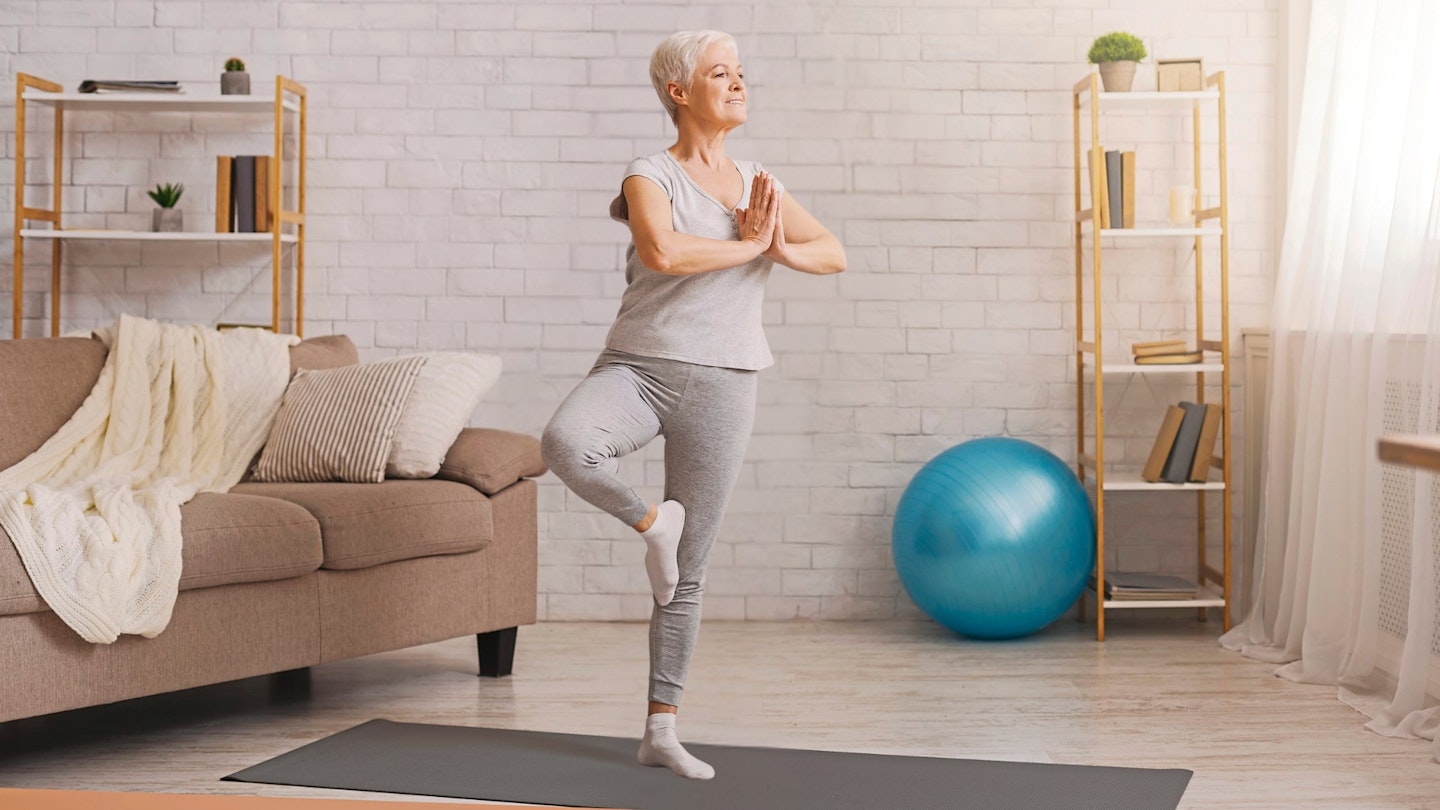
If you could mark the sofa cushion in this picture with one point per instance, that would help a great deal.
(446, 391)
(327, 351)
(42, 383)
(491, 460)
(226, 540)
(362, 525)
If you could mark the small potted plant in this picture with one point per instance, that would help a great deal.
(1117, 54)
(234, 81)
(167, 217)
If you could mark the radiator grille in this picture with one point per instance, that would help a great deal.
(1396, 522)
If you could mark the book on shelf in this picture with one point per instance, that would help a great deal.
(1151, 347)
(1164, 443)
(262, 193)
(1126, 586)
(1170, 359)
(129, 86)
(1127, 189)
(1114, 188)
(224, 210)
(244, 187)
(1101, 200)
(1205, 445)
(242, 194)
(1182, 456)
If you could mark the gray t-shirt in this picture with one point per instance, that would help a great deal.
(710, 319)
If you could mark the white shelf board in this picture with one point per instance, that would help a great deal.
(1143, 97)
(151, 236)
(1132, 482)
(1151, 232)
(1154, 368)
(1205, 598)
(158, 102)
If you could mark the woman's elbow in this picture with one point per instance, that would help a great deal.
(655, 259)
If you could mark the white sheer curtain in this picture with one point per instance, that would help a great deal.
(1356, 352)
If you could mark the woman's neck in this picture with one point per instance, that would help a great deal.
(706, 148)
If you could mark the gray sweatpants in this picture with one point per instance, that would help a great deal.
(705, 414)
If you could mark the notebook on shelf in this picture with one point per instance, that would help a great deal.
(1122, 586)
(129, 86)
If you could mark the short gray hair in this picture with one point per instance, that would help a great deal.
(674, 61)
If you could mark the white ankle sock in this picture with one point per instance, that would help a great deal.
(662, 747)
(662, 541)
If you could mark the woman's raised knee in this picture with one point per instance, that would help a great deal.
(558, 450)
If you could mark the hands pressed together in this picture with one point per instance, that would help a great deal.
(760, 223)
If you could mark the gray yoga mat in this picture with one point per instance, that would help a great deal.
(585, 771)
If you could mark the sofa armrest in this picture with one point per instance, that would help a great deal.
(491, 460)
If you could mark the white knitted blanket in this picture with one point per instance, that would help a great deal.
(95, 512)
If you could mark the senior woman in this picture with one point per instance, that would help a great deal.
(681, 358)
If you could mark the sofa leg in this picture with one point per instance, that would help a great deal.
(497, 652)
(292, 683)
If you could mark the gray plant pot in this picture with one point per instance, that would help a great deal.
(234, 83)
(164, 220)
(1117, 76)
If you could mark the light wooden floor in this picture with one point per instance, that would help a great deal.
(1157, 693)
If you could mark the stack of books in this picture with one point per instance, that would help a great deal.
(242, 194)
(1127, 587)
(1185, 445)
(1164, 352)
(1117, 190)
(127, 86)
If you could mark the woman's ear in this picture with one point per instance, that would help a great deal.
(677, 93)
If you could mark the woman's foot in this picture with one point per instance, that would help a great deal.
(662, 543)
(661, 747)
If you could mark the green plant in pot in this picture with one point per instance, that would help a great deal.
(234, 81)
(1117, 54)
(167, 217)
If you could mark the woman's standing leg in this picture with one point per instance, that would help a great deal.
(705, 443)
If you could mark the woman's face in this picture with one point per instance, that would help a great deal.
(717, 89)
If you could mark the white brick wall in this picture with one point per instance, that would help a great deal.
(461, 158)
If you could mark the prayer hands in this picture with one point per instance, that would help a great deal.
(761, 222)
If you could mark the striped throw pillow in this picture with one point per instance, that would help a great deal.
(337, 424)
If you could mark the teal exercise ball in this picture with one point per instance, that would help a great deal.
(994, 538)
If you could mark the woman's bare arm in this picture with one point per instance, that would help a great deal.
(665, 250)
(802, 243)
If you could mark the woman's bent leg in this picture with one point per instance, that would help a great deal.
(607, 416)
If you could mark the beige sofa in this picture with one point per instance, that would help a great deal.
(279, 577)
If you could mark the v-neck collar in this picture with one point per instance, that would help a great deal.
(708, 195)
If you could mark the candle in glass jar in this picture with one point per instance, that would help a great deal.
(1182, 205)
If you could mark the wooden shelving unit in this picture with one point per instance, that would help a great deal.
(287, 225)
(1091, 364)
